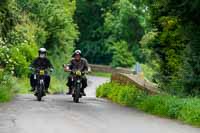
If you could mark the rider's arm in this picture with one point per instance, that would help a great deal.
(33, 64)
(68, 68)
(49, 64)
(86, 66)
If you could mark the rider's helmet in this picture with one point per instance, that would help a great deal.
(42, 52)
(77, 52)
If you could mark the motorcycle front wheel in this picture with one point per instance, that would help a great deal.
(40, 92)
(76, 94)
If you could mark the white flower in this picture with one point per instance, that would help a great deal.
(12, 72)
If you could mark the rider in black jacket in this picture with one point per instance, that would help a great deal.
(41, 62)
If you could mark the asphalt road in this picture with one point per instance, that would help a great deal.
(58, 114)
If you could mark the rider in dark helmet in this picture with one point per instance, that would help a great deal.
(41, 62)
(77, 63)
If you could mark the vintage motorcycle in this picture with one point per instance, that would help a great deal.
(39, 76)
(77, 83)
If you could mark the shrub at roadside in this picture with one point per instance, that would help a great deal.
(57, 86)
(184, 109)
(6, 87)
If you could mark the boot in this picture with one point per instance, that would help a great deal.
(69, 92)
(32, 89)
(47, 91)
(83, 92)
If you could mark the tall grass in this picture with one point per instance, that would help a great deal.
(6, 87)
(183, 109)
(57, 86)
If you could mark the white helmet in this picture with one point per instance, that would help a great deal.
(77, 52)
(42, 50)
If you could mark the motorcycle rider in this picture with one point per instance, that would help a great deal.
(41, 62)
(77, 63)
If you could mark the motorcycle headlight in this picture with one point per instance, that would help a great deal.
(78, 73)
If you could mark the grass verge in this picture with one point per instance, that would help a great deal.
(57, 86)
(6, 87)
(183, 109)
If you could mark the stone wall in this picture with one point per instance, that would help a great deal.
(109, 69)
(136, 80)
(127, 76)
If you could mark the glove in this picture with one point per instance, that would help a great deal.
(51, 69)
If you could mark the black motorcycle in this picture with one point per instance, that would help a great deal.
(39, 76)
(76, 84)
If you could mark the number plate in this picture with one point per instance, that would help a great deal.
(41, 72)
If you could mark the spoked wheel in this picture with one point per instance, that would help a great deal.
(76, 99)
(39, 93)
(76, 95)
(39, 98)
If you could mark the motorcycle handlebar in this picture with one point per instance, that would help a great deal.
(38, 69)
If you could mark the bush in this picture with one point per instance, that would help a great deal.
(57, 86)
(121, 55)
(184, 109)
(21, 57)
(6, 87)
(190, 113)
(16, 59)
(21, 85)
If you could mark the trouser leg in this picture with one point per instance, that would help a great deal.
(47, 81)
(33, 81)
(69, 84)
(84, 83)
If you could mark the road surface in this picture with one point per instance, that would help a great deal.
(58, 114)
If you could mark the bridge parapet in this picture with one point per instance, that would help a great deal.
(127, 76)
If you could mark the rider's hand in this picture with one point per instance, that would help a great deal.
(66, 69)
(51, 69)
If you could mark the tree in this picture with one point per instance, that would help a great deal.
(90, 20)
(121, 56)
(177, 44)
(57, 30)
(102, 23)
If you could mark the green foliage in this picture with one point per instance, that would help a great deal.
(56, 28)
(58, 86)
(190, 112)
(17, 59)
(90, 20)
(102, 24)
(162, 32)
(26, 25)
(121, 56)
(9, 14)
(176, 45)
(162, 35)
(149, 71)
(21, 85)
(122, 22)
(184, 109)
(6, 87)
